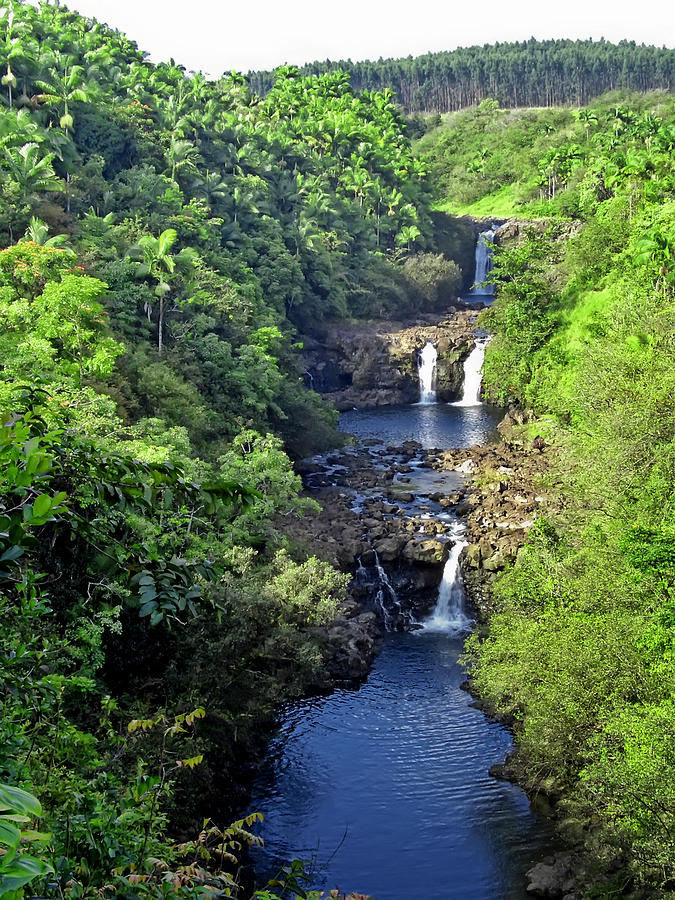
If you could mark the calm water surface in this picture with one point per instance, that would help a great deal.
(436, 425)
(385, 790)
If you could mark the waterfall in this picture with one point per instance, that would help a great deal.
(426, 367)
(387, 598)
(382, 591)
(473, 375)
(449, 614)
(483, 264)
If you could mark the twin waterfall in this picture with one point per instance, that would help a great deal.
(473, 369)
(426, 368)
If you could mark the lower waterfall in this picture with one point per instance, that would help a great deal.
(449, 614)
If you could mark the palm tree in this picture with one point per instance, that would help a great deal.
(30, 172)
(156, 261)
(408, 235)
(586, 117)
(66, 87)
(13, 50)
(658, 248)
(17, 127)
(181, 155)
(212, 187)
(38, 233)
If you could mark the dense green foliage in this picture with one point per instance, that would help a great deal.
(526, 73)
(581, 649)
(163, 241)
(221, 222)
(540, 162)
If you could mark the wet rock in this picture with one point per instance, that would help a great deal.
(427, 552)
(388, 549)
(552, 878)
(402, 496)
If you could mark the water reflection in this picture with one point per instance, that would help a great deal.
(438, 425)
(385, 790)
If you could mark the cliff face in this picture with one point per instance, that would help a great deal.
(375, 363)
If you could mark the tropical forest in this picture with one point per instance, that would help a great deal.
(337, 472)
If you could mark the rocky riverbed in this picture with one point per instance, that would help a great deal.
(390, 515)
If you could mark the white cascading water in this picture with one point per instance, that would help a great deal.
(473, 375)
(449, 614)
(387, 598)
(483, 264)
(426, 368)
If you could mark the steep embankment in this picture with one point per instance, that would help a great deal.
(578, 648)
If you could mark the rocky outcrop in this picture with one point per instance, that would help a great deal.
(350, 643)
(389, 530)
(375, 363)
(555, 877)
(514, 230)
(503, 500)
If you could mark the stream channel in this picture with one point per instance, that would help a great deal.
(385, 789)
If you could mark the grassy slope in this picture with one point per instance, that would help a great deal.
(486, 161)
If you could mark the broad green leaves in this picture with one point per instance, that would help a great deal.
(18, 867)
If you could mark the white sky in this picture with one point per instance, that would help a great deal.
(220, 35)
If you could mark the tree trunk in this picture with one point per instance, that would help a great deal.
(160, 327)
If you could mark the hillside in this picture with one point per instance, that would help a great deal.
(546, 162)
(526, 73)
(167, 244)
(579, 648)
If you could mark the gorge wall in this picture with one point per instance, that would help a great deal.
(369, 364)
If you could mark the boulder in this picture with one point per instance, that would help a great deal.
(472, 555)
(496, 562)
(553, 878)
(389, 548)
(433, 553)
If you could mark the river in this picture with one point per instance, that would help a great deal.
(385, 790)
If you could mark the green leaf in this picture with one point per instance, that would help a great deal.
(147, 608)
(9, 834)
(11, 554)
(16, 800)
(20, 872)
(42, 505)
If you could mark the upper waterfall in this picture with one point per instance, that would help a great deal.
(483, 264)
(426, 367)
